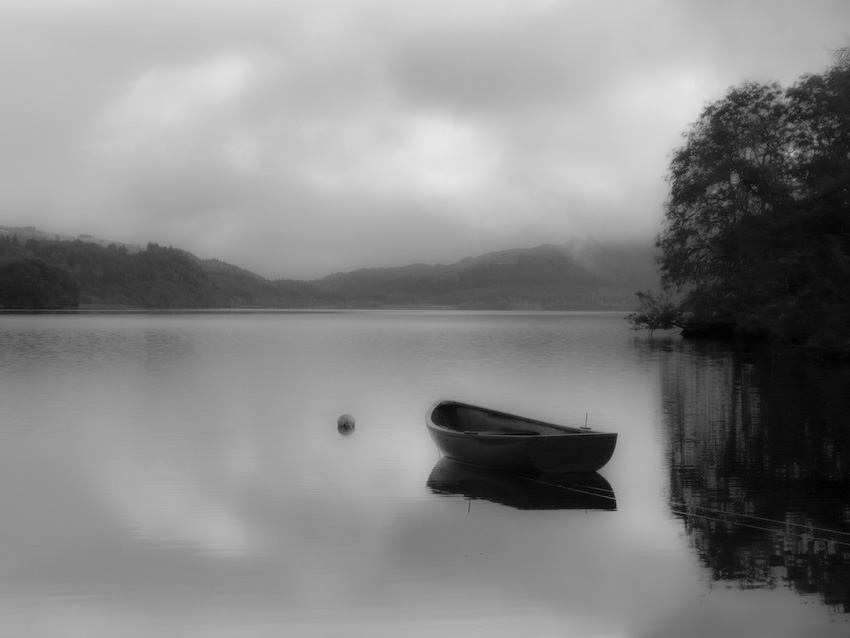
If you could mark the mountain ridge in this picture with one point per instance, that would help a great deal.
(577, 275)
(580, 274)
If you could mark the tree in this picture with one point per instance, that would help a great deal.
(655, 313)
(756, 237)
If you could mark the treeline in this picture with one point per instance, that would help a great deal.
(756, 239)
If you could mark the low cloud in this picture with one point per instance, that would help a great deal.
(295, 138)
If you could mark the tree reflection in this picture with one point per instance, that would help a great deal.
(759, 449)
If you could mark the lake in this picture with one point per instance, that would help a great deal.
(181, 474)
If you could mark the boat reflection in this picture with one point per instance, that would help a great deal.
(566, 492)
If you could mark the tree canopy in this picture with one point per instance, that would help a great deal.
(33, 284)
(756, 237)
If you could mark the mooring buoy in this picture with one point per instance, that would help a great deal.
(345, 424)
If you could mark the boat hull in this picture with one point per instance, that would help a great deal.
(509, 443)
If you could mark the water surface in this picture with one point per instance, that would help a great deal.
(182, 475)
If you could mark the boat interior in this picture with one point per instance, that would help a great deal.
(471, 420)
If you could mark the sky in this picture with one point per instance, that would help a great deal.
(297, 138)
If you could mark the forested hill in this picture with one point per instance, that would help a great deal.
(61, 273)
(574, 276)
(156, 277)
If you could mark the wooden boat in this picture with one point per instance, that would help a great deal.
(489, 438)
(576, 491)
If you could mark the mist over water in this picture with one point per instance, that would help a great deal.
(183, 474)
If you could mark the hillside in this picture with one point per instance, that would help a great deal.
(573, 276)
(156, 277)
(25, 233)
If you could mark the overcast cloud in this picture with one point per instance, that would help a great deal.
(297, 138)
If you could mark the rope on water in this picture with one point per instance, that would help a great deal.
(804, 530)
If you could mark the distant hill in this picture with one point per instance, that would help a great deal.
(156, 277)
(579, 275)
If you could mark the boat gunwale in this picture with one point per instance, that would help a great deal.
(565, 430)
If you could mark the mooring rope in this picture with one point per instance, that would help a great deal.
(806, 530)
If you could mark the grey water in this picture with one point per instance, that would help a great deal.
(182, 475)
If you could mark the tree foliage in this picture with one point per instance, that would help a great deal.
(756, 236)
(31, 284)
(655, 313)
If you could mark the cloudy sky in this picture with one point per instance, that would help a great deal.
(300, 137)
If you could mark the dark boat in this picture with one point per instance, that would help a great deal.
(588, 491)
(509, 443)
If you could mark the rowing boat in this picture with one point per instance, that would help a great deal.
(510, 443)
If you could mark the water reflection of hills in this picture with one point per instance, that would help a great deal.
(760, 467)
(578, 491)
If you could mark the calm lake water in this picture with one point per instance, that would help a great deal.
(182, 475)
